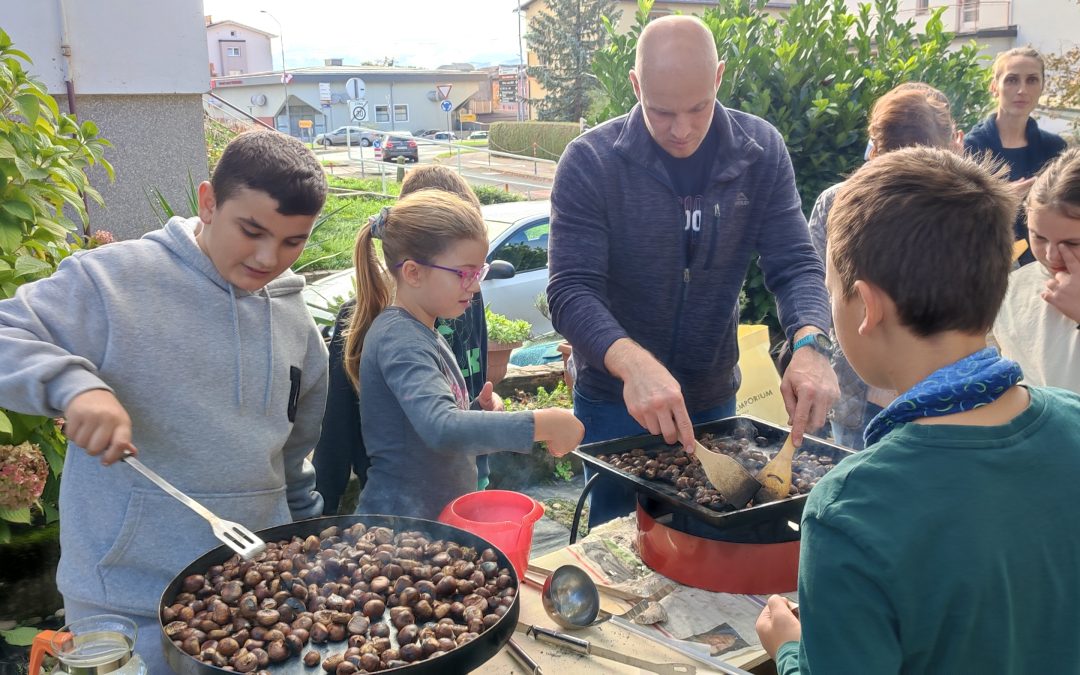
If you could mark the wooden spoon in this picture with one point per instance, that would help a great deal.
(775, 477)
(727, 475)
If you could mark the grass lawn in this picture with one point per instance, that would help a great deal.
(331, 243)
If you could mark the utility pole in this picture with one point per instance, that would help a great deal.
(521, 69)
(284, 70)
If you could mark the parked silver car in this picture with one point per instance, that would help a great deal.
(517, 233)
(356, 136)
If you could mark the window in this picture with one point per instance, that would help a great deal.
(232, 51)
(969, 11)
(922, 7)
(527, 248)
(401, 112)
(382, 113)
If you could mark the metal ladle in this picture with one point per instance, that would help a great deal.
(572, 600)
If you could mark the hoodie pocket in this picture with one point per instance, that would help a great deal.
(160, 536)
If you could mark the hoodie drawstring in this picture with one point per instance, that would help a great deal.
(239, 355)
(270, 356)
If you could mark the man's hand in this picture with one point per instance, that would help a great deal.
(653, 397)
(489, 400)
(809, 389)
(559, 429)
(777, 624)
(1063, 290)
(96, 422)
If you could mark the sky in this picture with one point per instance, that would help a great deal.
(422, 33)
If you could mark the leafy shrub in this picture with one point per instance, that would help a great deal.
(43, 156)
(544, 140)
(492, 194)
(503, 330)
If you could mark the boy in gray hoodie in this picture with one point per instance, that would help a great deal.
(194, 348)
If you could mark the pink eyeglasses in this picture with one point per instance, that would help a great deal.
(468, 277)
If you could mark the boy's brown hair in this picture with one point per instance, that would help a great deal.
(913, 113)
(437, 177)
(933, 230)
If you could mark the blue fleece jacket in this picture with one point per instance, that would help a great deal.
(618, 265)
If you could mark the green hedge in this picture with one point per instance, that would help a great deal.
(544, 140)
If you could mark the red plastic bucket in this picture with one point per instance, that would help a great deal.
(502, 517)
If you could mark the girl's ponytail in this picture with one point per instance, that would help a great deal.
(374, 292)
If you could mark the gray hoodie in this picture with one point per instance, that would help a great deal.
(209, 375)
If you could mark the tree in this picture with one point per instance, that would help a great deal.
(1063, 82)
(564, 39)
(814, 73)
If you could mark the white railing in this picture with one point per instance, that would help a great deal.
(963, 17)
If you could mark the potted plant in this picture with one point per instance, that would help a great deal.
(504, 336)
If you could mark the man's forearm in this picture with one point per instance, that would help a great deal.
(623, 357)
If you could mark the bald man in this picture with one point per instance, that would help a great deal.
(655, 217)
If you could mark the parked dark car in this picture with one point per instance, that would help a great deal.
(400, 146)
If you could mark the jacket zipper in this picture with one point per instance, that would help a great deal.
(713, 236)
(682, 295)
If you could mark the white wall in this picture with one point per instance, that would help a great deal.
(257, 47)
(1048, 25)
(117, 46)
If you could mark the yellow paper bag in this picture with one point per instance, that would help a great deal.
(759, 394)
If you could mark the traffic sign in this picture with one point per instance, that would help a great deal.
(358, 110)
(467, 117)
(446, 105)
(443, 90)
(324, 93)
(304, 124)
(356, 88)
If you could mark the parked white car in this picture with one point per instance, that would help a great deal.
(517, 233)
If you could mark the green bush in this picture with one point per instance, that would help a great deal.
(544, 140)
(43, 157)
(492, 194)
(814, 73)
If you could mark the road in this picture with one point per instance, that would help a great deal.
(476, 165)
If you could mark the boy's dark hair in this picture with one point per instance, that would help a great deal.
(271, 162)
(438, 177)
(933, 230)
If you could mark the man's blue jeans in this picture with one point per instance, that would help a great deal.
(608, 420)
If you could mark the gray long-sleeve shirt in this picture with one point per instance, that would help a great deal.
(420, 434)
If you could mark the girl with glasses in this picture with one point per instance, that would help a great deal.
(421, 430)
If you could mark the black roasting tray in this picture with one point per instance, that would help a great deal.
(784, 509)
(463, 659)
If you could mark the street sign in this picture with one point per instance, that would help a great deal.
(358, 110)
(467, 117)
(324, 92)
(446, 105)
(443, 90)
(304, 124)
(356, 88)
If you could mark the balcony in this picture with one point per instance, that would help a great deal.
(966, 18)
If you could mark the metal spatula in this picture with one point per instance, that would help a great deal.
(727, 475)
(234, 535)
(775, 477)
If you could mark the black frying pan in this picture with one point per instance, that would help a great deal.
(463, 659)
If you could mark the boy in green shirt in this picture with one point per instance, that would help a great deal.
(949, 545)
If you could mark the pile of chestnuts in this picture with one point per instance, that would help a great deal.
(389, 598)
(678, 469)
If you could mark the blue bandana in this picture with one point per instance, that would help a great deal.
(971, 382)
